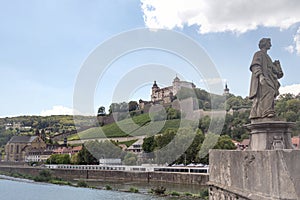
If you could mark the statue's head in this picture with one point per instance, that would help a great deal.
(264, 42)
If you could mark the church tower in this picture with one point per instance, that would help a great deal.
(154, 94)
(226, 90)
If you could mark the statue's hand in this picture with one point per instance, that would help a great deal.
(280, 75)
(262, 80)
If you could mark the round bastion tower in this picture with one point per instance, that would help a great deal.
(176, 85)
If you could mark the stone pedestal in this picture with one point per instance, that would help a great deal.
(270, 135)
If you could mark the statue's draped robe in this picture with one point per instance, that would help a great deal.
(263, 95)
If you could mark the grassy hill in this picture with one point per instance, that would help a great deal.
(136, 126)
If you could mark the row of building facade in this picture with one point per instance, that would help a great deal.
(34, 149)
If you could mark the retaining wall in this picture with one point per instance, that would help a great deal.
(68, 174)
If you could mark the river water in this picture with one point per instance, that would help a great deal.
(28, 190)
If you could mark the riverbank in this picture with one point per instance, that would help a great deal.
(180, 191)
(11, 178)
(12, 190)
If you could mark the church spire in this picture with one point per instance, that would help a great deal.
(154, 85)
(226, 90)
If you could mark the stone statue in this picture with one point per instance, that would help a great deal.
(264, 82)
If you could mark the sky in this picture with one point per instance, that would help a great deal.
(45, 44)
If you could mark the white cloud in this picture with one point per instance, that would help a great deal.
(237, 16)
(297, 41)
(57, 110)
(290, 49)
(213, 81)
(293, 89)
(295, 47)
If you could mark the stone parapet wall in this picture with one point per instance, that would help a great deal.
(216, 193)
(255, 175)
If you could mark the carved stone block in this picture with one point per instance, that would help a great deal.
(270, 135)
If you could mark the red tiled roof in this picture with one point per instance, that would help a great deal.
(245, 142)
(296, 141)
(65, 150)
(78, 148)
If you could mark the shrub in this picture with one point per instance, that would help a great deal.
(174, 193)
(108, 187)
(134, 190)
(44, 176)
(59, 182)
(159, 190)
(188, 194)
(204, 193)
(82, 184)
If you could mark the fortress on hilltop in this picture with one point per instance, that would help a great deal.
(166, 94)
(167, 97)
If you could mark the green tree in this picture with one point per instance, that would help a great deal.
(149, 144)
(130, 159)
(132, 106)
(286, 97)
(291, 116)
(165, 138)
(293, 105)
(59, 159)
(84, 157)
(204, 123)
(213, 141)
(6, 135)
(209, 142)
(75, 159)
(191, 154)
(280, 107)
(105, 149)
(180, 146)
(234, 124)
(173, 114)
(202, 94)
(101, 111)
(234, 102)
(225, 142)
